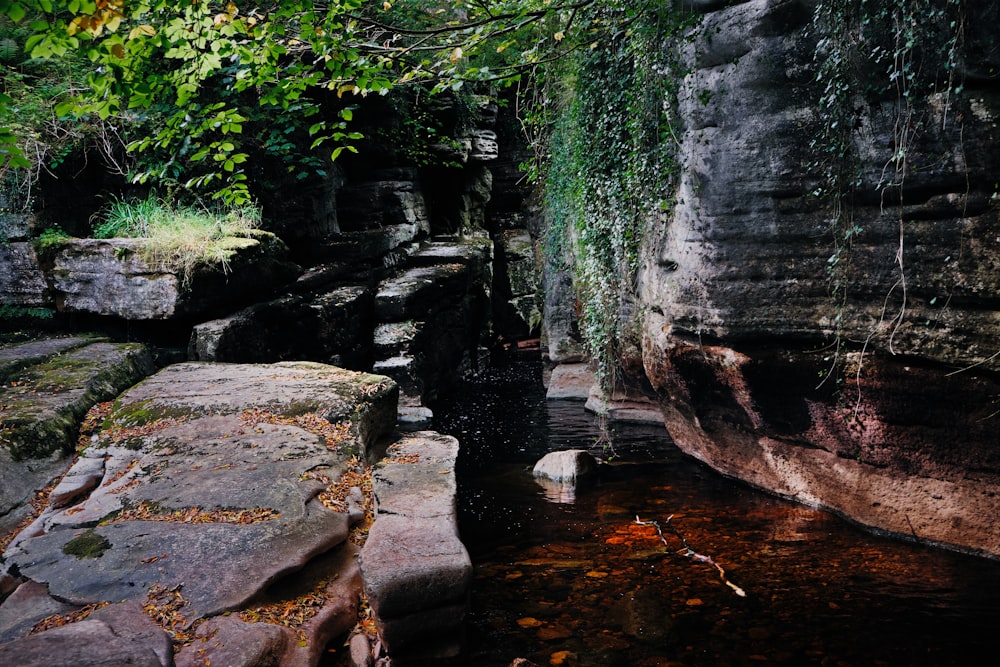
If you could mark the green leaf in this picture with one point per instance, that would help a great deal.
(16, 12)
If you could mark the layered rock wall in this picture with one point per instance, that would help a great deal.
(841, 349)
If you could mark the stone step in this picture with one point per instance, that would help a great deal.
(334, 326)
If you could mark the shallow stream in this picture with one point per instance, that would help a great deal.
(572, 579)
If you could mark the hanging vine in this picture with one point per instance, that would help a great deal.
(912, 46)
(611, 170)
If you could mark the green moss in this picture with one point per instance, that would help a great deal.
(87, 545)
(27, 437)
(298, 408)
(140, 413)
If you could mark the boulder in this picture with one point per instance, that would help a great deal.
(567, 466)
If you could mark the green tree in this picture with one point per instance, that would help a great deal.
(188, 77)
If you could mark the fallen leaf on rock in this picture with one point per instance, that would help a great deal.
(332, 434)
(150, 512)
(58, 620)
(289, 613)
(116, 433)
(404, 458)
(164, 605)
(560, 657)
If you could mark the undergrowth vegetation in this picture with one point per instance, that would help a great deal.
(178, 236)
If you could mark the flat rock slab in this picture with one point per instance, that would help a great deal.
(216, 482)
(367, 401)
(121, 634)
(415, 568)
(46, 388)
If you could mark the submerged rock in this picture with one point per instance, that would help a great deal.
(567, 466)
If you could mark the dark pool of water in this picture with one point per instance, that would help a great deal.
(575, 581)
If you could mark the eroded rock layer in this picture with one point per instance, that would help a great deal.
(848, 362)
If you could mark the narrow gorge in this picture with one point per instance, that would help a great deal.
(771, 227)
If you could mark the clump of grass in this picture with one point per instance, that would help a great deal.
(179, 237)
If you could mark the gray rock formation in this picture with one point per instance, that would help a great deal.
(433, 315)
(416, 571)
(217, 490)
(332, 327)
(22, 282)
(740, 326)
(110, 277)
(46, 387)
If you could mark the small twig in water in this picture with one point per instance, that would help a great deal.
(688, 552)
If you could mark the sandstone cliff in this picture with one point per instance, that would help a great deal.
(818, 307)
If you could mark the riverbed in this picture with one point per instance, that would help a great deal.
(728, 575)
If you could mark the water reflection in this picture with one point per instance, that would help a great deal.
(557, 492)
(581, 583)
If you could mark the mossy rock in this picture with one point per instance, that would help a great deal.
(88, 544)
(44, 401)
